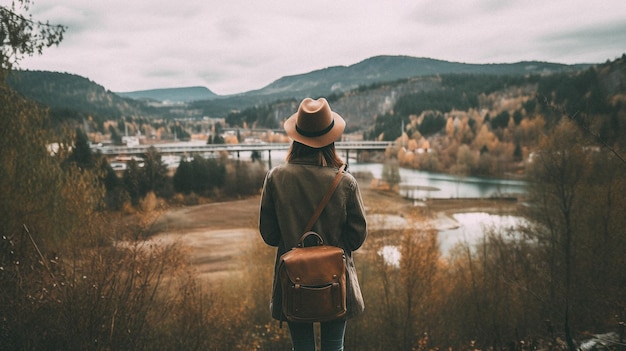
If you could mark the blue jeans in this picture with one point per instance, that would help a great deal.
(332, 334)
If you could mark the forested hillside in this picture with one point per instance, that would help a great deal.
(385, 68)
(68, 92)
(473, 123)
(70, 96)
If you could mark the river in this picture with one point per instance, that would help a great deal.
(420, 185)
(428, 185)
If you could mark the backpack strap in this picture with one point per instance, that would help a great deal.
(325, 199)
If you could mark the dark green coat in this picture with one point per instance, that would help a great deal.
(291, 193)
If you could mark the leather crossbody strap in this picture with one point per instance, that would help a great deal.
(325, 199)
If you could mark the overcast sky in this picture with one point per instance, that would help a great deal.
(233, 46)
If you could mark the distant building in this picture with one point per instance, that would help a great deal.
(130, 140)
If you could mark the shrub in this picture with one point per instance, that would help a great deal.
(129, 296)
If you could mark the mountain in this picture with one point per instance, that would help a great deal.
(381, 69)
(171, 95)
(372, 71)
(72, 94)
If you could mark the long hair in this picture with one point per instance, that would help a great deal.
(326, 156)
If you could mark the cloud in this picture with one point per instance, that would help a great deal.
(237, 45)
(606, 37)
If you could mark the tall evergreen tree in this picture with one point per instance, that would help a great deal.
(183, 177)
(81, 152)
(154, 172)
(132, 181)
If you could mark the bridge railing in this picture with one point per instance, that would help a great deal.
(184, 148)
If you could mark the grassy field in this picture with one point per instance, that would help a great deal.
(215, 234)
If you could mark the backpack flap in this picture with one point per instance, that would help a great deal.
(314, 266)
(313, 281)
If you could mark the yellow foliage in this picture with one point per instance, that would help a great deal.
(450, 130)
(149, 203)
(485, 138)
(231, 139)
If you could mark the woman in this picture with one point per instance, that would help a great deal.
(290, 194)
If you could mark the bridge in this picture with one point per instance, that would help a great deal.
(184, 148)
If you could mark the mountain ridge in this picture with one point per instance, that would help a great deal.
(387, 68)
(73, 95)
(66, 91)
(376, 69)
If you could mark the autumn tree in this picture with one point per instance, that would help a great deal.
(35, 190)
(466, 161)
(419, 263)
(576, 194)
(63, 285)
(391, 172)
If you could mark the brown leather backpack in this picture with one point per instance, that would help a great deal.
(313, 280)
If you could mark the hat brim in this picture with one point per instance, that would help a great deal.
(315, 142)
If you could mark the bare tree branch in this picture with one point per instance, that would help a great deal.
(22, 36)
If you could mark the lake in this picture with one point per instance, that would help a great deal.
(471, 225)
(433, 185)
(429, 185)
(470, 231)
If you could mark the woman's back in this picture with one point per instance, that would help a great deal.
(295, 189)
(291, 193)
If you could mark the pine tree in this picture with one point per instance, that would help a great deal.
(81, 152)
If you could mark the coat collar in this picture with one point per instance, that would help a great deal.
(306, 160)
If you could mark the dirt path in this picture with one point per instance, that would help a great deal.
(213, 234)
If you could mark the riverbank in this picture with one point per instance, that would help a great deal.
(215, 233)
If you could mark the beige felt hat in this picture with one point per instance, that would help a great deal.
(315, 124)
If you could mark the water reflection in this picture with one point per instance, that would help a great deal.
(391, 255)
(471, 228)
(418, 184)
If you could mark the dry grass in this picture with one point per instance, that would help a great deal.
(215, 234)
